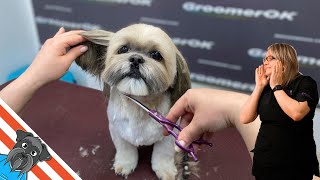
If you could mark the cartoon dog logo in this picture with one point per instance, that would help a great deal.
(26, 153)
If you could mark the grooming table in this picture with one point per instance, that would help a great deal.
(72, 120)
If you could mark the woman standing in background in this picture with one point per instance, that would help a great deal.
(285, 100)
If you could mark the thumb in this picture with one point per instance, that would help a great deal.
(189, 134)
(75, 52)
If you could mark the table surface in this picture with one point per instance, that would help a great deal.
(72, 120)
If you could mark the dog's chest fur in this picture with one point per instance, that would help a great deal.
(134, 124)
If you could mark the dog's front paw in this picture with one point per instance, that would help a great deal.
(165, 170)
(124, 165)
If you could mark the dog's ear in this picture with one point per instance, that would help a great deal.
(182, 80)
(93, 59)
(21, 135)
(106, 90)
(44, 156)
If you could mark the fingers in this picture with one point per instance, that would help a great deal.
(280, 67)
(73, 32)
(74, 53)
(260, 70)
(70, 40)
(274, 74)
(186, 119)
(276, 67)
(190, 133)
(64, 41)
(60, 31)
(259, 73)
(184, 122)
(180, 108)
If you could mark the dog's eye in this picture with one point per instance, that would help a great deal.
(123, 49)
(33, 153)
(156, 55)
(24, 145)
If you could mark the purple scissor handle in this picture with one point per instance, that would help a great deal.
(164, 122)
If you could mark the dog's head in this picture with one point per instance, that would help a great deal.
(138, 60)
(27, 152)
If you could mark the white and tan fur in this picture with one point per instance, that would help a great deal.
(158, 84)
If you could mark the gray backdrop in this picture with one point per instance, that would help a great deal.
(223, 41)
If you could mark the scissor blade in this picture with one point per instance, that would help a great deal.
(138, 103)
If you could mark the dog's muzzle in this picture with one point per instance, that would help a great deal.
(135, 62)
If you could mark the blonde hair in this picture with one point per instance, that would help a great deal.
(288, 57)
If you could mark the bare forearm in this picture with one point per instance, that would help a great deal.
(249, 109)
(247, 131)
(51, 63)
(19, 92)
(294, 109)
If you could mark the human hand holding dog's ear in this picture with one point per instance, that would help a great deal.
(51, 63)
(53, 60)
(206, 111)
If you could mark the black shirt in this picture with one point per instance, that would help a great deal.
(284, 145)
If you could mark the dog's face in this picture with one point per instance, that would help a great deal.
(27, 152)
(139, 60)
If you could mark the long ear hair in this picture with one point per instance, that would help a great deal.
(182, 80)
(93, 60)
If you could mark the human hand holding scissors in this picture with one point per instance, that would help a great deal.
(164, 122)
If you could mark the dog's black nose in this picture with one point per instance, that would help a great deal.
(136, 60)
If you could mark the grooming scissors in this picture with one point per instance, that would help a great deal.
(163, 121)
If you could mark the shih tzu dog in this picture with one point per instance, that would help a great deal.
(25, 154)
(140, 61)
